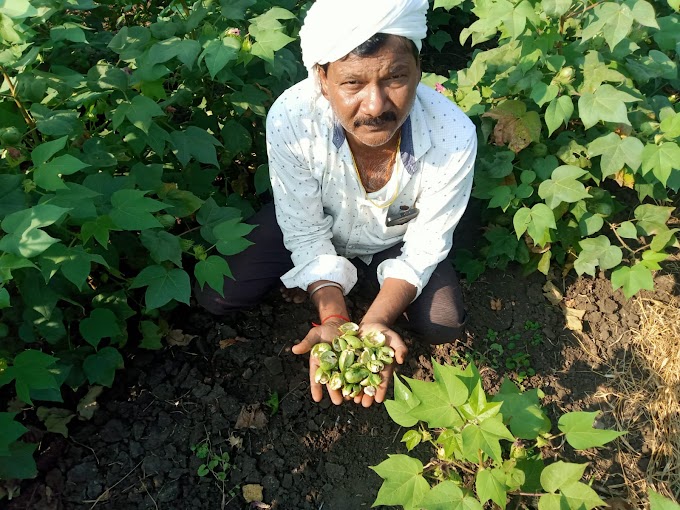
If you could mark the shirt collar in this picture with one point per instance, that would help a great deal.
(415, 137)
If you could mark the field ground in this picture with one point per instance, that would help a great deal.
(136, 452)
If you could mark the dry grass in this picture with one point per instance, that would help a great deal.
(646, 391)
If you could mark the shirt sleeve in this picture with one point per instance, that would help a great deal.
(429, 237)
(307, 230)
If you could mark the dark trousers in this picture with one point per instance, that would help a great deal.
(437, 315)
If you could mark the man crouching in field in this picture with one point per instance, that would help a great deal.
(368, 168)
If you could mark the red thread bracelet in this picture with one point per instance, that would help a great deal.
(336, 316)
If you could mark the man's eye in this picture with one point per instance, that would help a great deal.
(351, 82)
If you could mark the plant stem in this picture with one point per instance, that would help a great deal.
(13, 92)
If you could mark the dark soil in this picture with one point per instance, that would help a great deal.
(136, 452)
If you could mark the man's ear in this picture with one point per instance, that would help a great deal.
(323, 80)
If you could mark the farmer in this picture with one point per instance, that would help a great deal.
(368, 168)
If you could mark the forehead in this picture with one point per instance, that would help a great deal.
(395, 53)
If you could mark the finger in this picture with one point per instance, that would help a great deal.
(400, 353)
(307, 342)
(315, 387)
(357, 399)
(381, 392)
(336, 396)
(367, 400)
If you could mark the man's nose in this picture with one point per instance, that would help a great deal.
(375, 102)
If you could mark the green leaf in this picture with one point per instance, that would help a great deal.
(162, 246)
(250, 98)
(48, 175)
(435, 406)
(616, 152)
(497, 164)
(20, 463)
(68, 32)
(439, 39)
(477, 408)
(404, 401)
(403, 482)
(643, 12)
(31, 370)
(268, 34)
(4, 298)
(448, 496)
(99, 229)
(670, 126)
(553, 502)
(618, 22)
(152, 336)
(559, 112)
(660, 160)
(627, 230)
(10, 431)
(447, 4)
(660, 242)
(579, 432)
(17, 9)
(632, 279)
(595, 252)
(235, 138)
(485, 436)
(132, 210)
(25, 237)
(448, 377)
(563, 186)
(606, 103)
(516, 126)
(195, 143)
(522, 412)
(412, 439)
(490, 485)
(74, 263)
(652, 219)
(559, 474)
(235, 9)
(543, 93)
(229, 235)
(659, 502)
(102, 323)
(218, 53)
(213, 271)
(55, 122)
(55, 419)
(186, 51)
(581, 496)
(43, 152)
(538, 220)
(163, 286)
(556, 8)
(100, 368)
(141, 111)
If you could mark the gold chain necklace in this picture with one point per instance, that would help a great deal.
(390, 164)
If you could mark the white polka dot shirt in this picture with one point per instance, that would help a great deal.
(323, 210)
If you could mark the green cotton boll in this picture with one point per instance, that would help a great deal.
(336, 381)
(365, 356)
(356, 373)
(346, 360)
(321, 376)
(347, 390)
(319, 349)
(339, 344)
(373, 339)
(329, 358)
(375, 366)
(356, 389)
(352, 341)
(374, 380)
(349, 327)
(370, 391)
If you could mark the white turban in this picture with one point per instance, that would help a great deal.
(333, 28)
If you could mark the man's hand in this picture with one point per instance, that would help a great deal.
(326, 333)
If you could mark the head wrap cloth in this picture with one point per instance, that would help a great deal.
(333, 28)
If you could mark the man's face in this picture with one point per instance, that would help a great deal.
(372, 96)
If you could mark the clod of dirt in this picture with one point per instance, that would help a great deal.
(252, 493)
(251, 417)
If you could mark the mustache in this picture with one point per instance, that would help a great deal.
(376, 121)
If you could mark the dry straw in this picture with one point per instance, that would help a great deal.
(647, 390)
